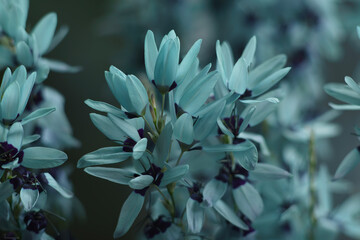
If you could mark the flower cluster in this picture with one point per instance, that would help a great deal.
(32, 119)
(175, 122)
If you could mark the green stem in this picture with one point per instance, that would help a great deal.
(312, 189)
(149, 126)
(162, 106)
(178, 160)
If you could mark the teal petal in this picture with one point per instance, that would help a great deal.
(55, 185)
(166, 66)
(44, 32)
(268, 171)
(141, 182)
(129, 211)
(24, 55)
(29, 198)
(139, 148)
(352, 84)
(207, 119)
(224, 129)
(269, 81)
(137, 93)
(344, 107)
(188, 61)
(58, 66)
(151, 53)
(265, 69)
(198, 92)
(214, 191)
(248, 200)
(105, 107)
(226, 212)
(38, 113)
(107, 155)
(25, 91)
(174, 174)
(107, 127)
(116, 175)
(42, 157)
(247, 115)
(351, 160)
(183, 129)
(58, 37)
(125, 127)
(15, 135)
(249, 51)
(238, 81)
(10, 102)
(162, 147)
(343, 93)
(225, 60)
(248, 157)
(194, 215)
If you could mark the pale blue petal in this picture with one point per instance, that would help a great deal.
(139, 148)
(248, 157)
(107, 127)
(162, 147)
(116, 175)
(141, 182)
(352, 84)
(58, 66)
(105, 107)
(38, 113)
(195, 215)
(137, 93)
(247, 115)
(188, 61)
(151, 53)
(10, 102)
(125, 127)
(351, 160)
(249, 51)
(238, 81)
(129, 211)
(15, 135)
(225, 60)
(344, 107)
(248, 200)
(29, 198)
(25, 91)
(55, 185)
(343, 93)
(224, 210)
(174, 174)
(214, 191)
(42, 157)
(183, 129)
(268, 171)
(44, 31)
(107, 155)
(24, 55)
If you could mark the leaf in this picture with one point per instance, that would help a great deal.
(224, 210)
(248, 200)
(350, 161)
(6, 189)
(42, 157)
(55, 185)
(129, 211)
(116, 175)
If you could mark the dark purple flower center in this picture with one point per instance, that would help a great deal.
(195, 193)
(28, 180)
(35, 221)
(8, 153)
(235, 176)
(129, 143)
(160, 225)
(153, 171)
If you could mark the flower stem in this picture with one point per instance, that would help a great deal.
(178, 160)
(312, 189)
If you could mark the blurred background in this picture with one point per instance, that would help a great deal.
(109, 32)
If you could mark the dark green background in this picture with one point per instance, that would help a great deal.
(85, 47)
